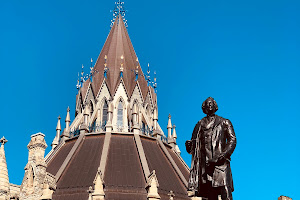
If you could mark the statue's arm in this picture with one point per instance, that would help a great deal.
(191, 144)
(231, 139)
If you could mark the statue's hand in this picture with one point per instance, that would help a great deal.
(188, 146)
(221, 160)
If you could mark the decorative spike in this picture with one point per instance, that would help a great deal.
(82, 75)
(105, 66)
(66, 133)
(171, 140)
(119, 10)
(121, 68)
(148, 75)
(174, 135)
(169, 121)
(154, 82)
(78, 85)
(58, 126)
(56, 138)
(68, 120)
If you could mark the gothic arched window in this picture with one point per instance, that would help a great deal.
(120, 114)
(91, 108)
(104, 113)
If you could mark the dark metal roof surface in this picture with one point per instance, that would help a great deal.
(123, 176)
(82, 168)
(167, 177)
(59, 158)
(179, 163)
(123, 168)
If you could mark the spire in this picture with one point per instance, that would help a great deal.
(58, 126)
(118, 55)
(68, 120)
(4, 181)
(66, 132)
(171, 139)
(58, 129)
(174, 135)
(169, 127)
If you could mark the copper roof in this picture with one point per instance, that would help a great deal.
(166, 175)
(117, 44)
(56, 162)
(123, 176)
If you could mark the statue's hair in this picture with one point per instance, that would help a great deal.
(214, 104)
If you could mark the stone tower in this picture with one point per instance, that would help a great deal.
(4, 181)
(37, 182)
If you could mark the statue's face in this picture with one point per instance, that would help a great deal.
(210, 106)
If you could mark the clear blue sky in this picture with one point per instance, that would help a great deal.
(243, 53)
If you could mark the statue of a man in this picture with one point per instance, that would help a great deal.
(213, 141)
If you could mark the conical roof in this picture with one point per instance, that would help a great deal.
(118, 45)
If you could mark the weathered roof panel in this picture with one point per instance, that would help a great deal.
(82, 168)
(123, 167)
(179, 163)
(167, 177)
(56, 162)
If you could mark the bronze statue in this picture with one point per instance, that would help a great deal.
(213, 141)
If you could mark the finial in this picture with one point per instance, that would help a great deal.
(105, 66)
(82, 75)
(174, 132)
(91, 74)
(78, 83)
(148, 75)
(154, 82)
(121, 68)
(3, 140)
(119, 10)
(169, 116)
(68, 115)
(136, 72)
(58, 127)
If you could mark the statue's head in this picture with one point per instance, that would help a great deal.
(209, 106)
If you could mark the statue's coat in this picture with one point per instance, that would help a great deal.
(223, 142)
